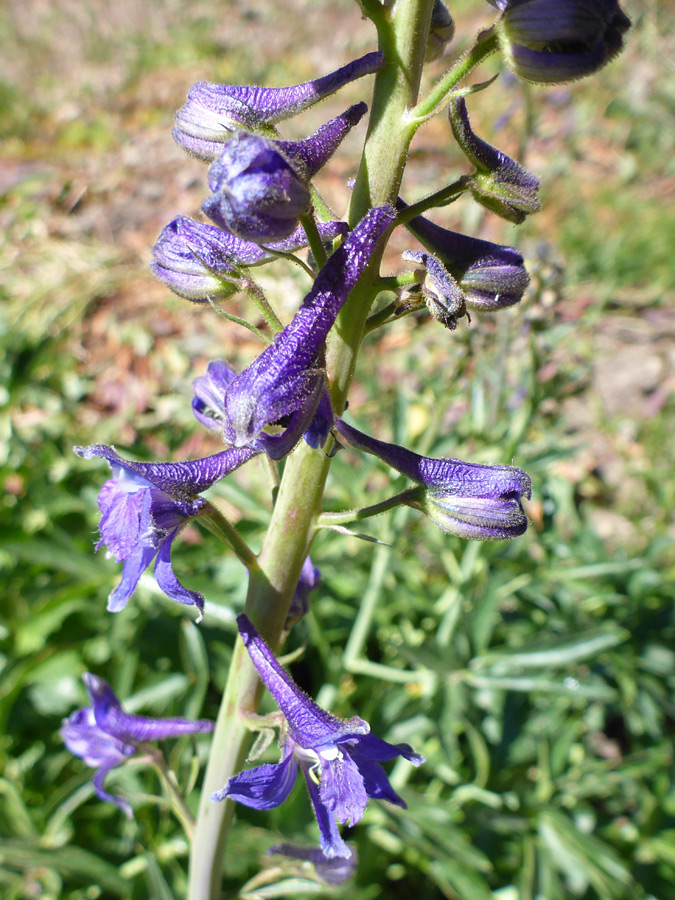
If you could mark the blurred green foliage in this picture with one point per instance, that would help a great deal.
(537, 677)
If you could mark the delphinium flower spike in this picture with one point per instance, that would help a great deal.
(213, 112)
(490, 276)
(470, 500)
(554, 41)
(144, 506)
(260, 187)
(195, 259)
(499, 183)
(104, 736)
(340, 759)
(286, 380)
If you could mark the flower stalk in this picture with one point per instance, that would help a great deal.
(298, 502)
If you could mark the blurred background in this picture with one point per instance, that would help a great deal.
(537, 677)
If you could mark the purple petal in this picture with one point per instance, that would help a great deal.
(84, 738)
(310, 726)
(342, 789)
(125, 518)
(167, 580)
(376, 783)
(501, 184)
(134, 566)
(111, 718)
(442, 295)
(98, 781)
(264, 787)
(182, 480)
(213, 111)
(371, 747)
(332, 844)
(315, 151)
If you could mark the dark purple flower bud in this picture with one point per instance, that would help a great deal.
(554, 41)
(335, 871)
(286, 379)
(214, 111)
(441, 31)
(500, 184)
(195, 259)
(339, 759)
(145, 506)
(260, 187)
(442, 295)
(467, 499)
(491, 276)
(310, 579)
(104, 736)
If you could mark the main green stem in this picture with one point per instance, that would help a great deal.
(402, 34)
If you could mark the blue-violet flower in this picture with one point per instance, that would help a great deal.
(340, 759)
(499, 183)
(201, 262)
(470, 500)
(260, 187)
(144, 506)
(214, 112)
(490, 276)
(104, 736)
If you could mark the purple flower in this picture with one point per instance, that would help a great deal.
(286, 382)
(214, 111)
(554, 41)
(144, 506)
(104, 736)
(490, 276)
(499, 184)
(200, 262)
(208, 404)
(339, 759)
(260, 187)
(467, 499)
(335, 871)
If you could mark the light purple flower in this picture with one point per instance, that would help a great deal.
(144, 506)
(340, 759)
(470, 500)
(490, 276)
(554, 41)
(214, 111)
(260, 187)
(499, 184)
(199, 261)
(104, 736)
(287, 381)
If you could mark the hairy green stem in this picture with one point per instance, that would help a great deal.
(402, 37)
(326, 520)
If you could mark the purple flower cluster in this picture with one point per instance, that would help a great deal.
(104, 736)
(340, 759)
